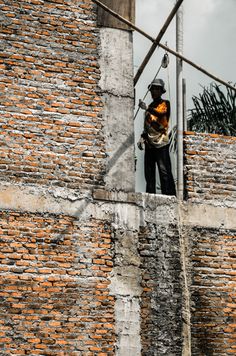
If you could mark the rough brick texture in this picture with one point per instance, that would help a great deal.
(106, 280)
(50, 103)
(210, 167)
(54, 286)
(161, 298)
(213, 290)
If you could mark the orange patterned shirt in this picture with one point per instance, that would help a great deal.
(157, 123)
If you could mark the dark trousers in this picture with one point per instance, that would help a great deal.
(160, 157)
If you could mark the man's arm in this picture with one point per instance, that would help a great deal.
(158, 114)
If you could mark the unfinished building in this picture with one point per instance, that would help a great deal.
(88, 266)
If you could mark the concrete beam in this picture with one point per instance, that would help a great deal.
(123, 209)
(207, 215)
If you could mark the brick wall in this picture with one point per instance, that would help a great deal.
(54, 286)
(210, 167)
(161, 299)
(210, 179)
(213, 296)
(87, 274)
(56, 256)
(49, 99)
(93, 284)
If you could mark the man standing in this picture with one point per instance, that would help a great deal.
(156, 140)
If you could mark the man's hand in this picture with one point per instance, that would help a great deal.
(142, 105)
(141, 143)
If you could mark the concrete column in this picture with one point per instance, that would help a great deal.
(116, 65)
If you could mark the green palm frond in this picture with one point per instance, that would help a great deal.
(214, 111)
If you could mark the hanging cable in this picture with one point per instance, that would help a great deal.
(173, 131)
(168, 74)
(164, 64)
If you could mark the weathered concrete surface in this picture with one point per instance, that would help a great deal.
(128, 326)
(161, 300)
(126, 287)
(152, 237)
(117, 88)
(126, 213)
(116, 62)
(124, 210)
(36, 199)
(207, 215)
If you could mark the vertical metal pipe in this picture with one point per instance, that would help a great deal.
(184, 106)
(179, 102)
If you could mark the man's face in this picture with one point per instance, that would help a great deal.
(156, 92)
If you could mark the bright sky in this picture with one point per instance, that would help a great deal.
(209, 41)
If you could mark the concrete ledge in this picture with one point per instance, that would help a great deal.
(132, 197)
(126, 209)
(207, 215)
(131, 210)
(35, 199)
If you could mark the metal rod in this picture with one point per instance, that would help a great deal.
(167, 49)
(186, 60)
(179, 102)
(147, 92)
(157, 41)
(184, 105)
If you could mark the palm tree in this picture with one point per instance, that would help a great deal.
(214, 111)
